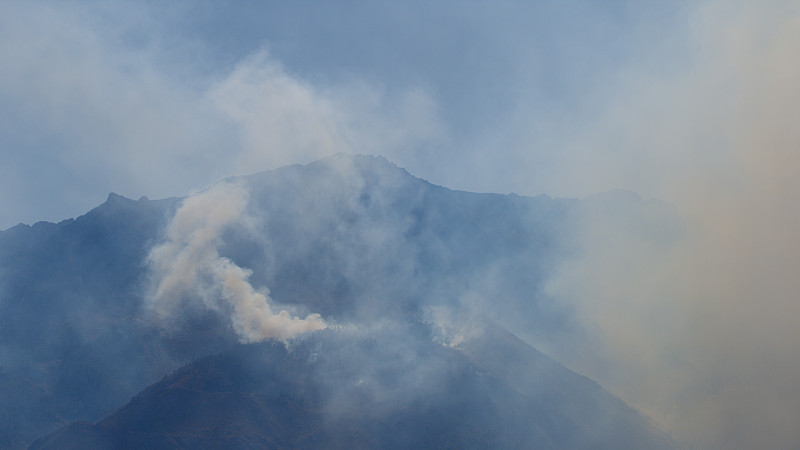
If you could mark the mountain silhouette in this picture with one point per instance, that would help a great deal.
(381, 255)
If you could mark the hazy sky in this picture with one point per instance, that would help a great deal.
(163, 98)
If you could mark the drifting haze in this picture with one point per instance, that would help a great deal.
(703, 335)
(152, 99)
(99, 98)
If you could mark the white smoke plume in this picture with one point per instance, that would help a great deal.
(189, 269)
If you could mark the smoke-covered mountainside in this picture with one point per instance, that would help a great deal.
(422, 395)
(344, 303)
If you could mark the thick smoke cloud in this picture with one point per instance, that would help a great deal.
(112, 99)
(189, 269)
(701, 334)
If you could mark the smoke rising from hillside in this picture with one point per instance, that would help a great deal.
(188, 268)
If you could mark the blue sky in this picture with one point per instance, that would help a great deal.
(145, 98)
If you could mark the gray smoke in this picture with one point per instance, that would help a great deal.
(702, 335)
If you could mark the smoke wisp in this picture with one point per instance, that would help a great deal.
(189, 269)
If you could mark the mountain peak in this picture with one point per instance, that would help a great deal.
(339, 172)
(363, 163)
(114, 198)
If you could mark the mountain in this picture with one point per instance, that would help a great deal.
(324, 393)
(355, 239)
(70, 344)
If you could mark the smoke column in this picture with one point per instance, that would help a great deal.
(189, 269)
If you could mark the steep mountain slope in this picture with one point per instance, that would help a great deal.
(70, 343)
(340, 389)
(353, 238)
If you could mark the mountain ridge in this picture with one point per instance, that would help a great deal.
(354, 238)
